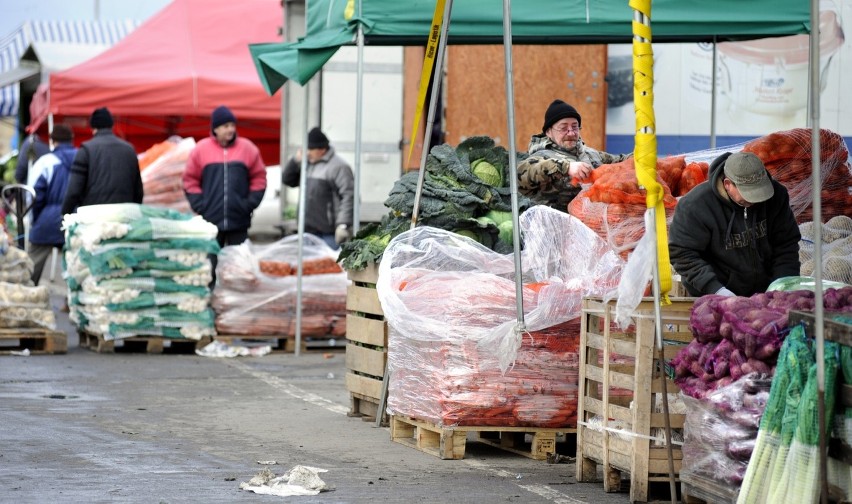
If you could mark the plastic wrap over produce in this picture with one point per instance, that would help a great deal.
(15, 264)
(721, 430)
(257, 289)
(136, 270)
(613, 204)
(455, 355)
(25, 306)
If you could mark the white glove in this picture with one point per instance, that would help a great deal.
(342, 234)
(725, 292)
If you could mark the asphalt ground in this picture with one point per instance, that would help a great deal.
(166, 428)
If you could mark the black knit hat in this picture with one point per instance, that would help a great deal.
(61, 133)
(220, 116)
(557, 111)
(101, 119)
(317, 139)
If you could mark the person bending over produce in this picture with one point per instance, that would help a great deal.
(735, 233)
(558, 156)
(330, 191)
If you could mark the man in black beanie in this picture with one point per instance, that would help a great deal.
(330, 190)
(225, 179)
(105, 169)
(558, 156)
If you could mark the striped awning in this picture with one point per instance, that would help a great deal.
(79, 33)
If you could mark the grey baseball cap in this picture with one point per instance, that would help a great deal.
(748, 173)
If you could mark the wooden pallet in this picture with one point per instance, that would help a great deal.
(285, 343)
(35, 340)
(636, 458)
(698, 490)
(449, 442)
(141, 344)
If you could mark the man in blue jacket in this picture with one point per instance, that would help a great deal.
(52, 172)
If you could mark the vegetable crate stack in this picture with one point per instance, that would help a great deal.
(139, 271)
(257, 290)
(724, 375)
(366, 342)
(614, 430)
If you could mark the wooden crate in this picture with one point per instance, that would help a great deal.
(366, 342)
(449, 443)
(35, 340)
(635, 456)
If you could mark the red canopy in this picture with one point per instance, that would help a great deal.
(167, 76)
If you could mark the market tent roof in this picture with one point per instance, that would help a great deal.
(167, 76)
(81, 35)
(43, 58)
(390, 22)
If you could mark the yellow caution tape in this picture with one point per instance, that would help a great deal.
(645, 153)
(426, 72)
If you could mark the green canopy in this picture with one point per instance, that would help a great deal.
(395, 22)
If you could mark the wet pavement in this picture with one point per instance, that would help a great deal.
(167, 428)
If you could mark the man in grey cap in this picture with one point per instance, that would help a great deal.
(735, 233)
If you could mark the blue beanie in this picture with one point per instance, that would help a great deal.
(220, 116)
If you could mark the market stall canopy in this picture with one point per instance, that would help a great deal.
(78, 37)
(43, 58)
(332, 23)
(167, 76)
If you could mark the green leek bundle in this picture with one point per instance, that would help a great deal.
(785, 463)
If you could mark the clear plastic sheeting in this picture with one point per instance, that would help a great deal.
(162, 177)
(15, 264)
(451, 309)
(721, 430)
(256, 289)
(25, 306)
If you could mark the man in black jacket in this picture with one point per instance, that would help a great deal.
(735, 233)
(105, 169)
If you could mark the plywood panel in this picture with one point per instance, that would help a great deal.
(476, 90)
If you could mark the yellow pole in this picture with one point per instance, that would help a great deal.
(645, 152)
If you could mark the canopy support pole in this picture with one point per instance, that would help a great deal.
(303, 179)
(437, 76)
(513, 161)
(813, 91)
(646, 160)
(359, 98)
(714, 90)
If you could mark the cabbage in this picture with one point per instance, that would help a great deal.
(487, 172)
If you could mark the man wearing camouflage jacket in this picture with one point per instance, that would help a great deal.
(557, 155)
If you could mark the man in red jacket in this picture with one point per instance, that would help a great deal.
(225, 179)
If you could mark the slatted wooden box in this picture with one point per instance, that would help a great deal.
(366, 342)
(633, 456)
